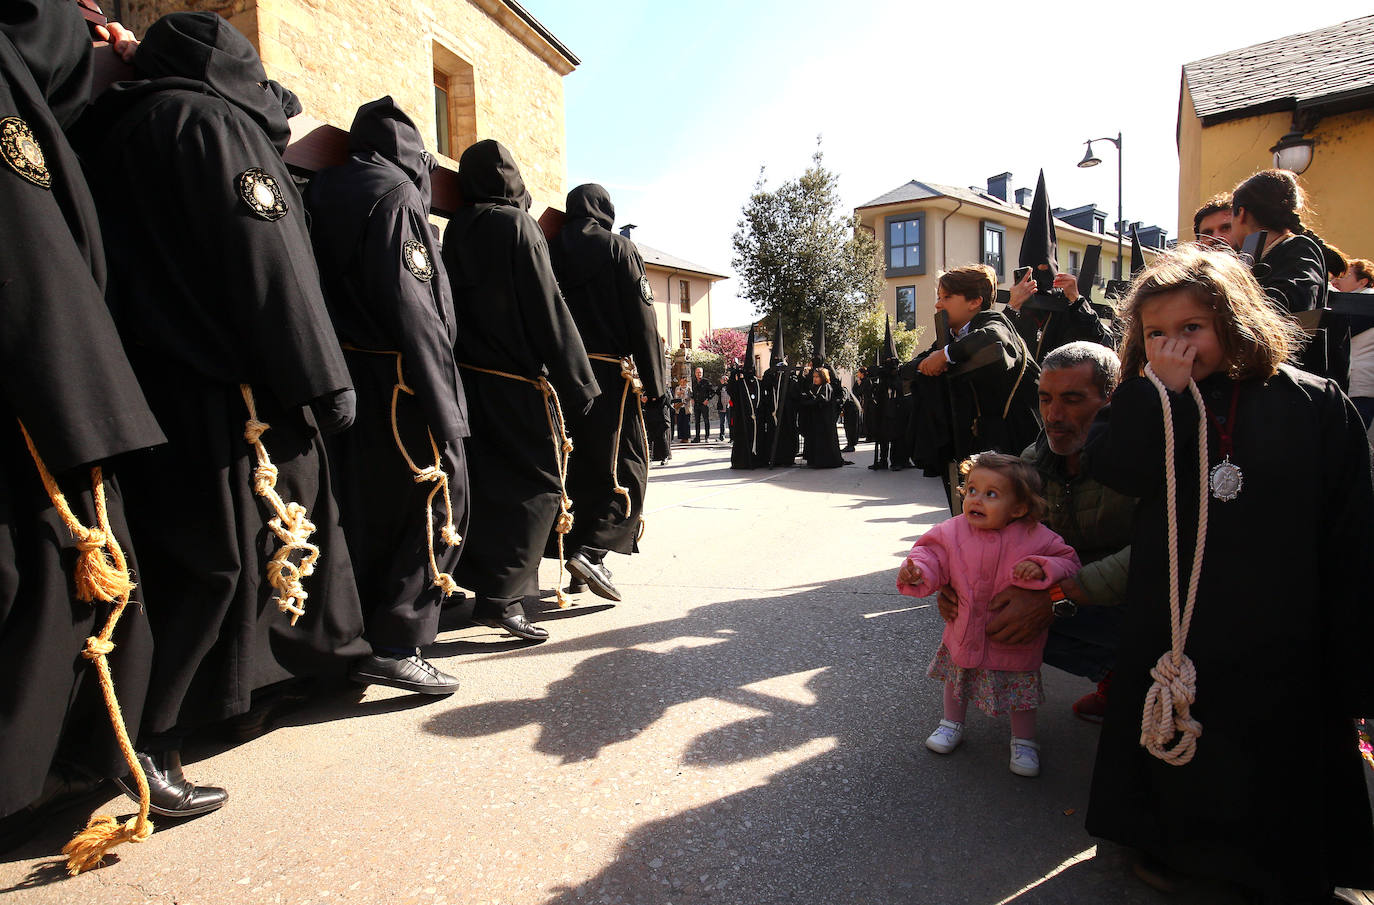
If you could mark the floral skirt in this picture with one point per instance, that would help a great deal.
(995, 692)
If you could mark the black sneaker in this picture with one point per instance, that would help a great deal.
(413, 673)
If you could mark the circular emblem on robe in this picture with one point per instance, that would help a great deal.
(259, 190)
(21, 151)
(646, 290)
(417, 259)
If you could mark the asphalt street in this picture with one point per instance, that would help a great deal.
(746, 727)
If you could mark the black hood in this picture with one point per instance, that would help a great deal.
(593, 202)
(1087, 273)
(748, 363)
(777, 356)
(203, 47)
(487, 174)
(380, 127)
(1137, 256)
(51, 38)
(889, 344)
(1040, 245)
(818, 341)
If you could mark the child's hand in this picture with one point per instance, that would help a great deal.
(1027, 570)
(1171, 360)
(909, 573)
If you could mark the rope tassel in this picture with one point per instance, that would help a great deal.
(1167, 728)
(101, 574)
(291, 524)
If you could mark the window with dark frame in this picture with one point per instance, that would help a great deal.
(1073, 262)
(906, 306)
(994, 241)
(905, 244)
(684, 296)
(443, 139)
(686, 332)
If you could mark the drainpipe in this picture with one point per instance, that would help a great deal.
(944, 245)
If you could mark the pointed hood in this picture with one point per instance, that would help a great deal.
(889, 344)
(1137, 255)
(51, 38)
(776, 355)
(592, 202)
(380, 127)
(488, 174)
(1087, 273)
(818, 341)
(748, 363)
(203, 47)
(1040, 245)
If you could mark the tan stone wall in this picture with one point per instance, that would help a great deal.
(669, 314)
(339, 54)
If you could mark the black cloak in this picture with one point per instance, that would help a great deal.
(1288, 820)
(63, 372)
(601, 275)
(511, 318)
(388, 293)
(779, 396)
(743, 386)
(213, 285)
(822, 407)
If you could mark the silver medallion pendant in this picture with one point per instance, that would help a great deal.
(1226, 480)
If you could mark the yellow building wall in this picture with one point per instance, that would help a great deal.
(668, 313)
(338, 55)
(1339, 183)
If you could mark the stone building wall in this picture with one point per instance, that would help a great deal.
(504, 80)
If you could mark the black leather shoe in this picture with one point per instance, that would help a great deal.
(172, 794)
(596, 575)
(413, 673)
(878, 466)
(518, 626)
(576, 586)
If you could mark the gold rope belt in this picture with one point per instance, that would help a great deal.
(562, 446)
(630, 374)
(290, 523)
(101, 573)
(434, 474)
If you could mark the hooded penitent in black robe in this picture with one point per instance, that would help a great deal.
(63, 373)
(778, 394)
(511, 318)
(213, 285)
(821, 405)
(1275, 638)
(388, 295)
(604, 285)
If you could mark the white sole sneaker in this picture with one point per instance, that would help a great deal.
(946, 737)
(1025, 757)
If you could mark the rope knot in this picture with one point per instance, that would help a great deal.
(445, 582)
(567, 445)
(94, 539)
(264, 478)
(253, 430)
(430, 473)
(450, 535)
(565, 522)
(97, 647)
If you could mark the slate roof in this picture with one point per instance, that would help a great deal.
(1284, 73)
(916, 190)
(669, 262)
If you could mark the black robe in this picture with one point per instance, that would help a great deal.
(863, 394)
(604, 285)
(778, 394)
(211, 292)
(388, 293)
(746, 434)
(821, 406)
(1282, 611)
(63, 373)
(511, 318)
(1045, 331)
(1293, 274)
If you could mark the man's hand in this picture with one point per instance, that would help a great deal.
(122, 41)
(1019, 615)
(1022, 290)
(1069, 283)
(1171, 360)
(934, 364)
(948, 602)
(909, 573)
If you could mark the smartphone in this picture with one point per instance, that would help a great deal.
(1019, 274)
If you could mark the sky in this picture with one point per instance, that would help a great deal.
(676, 107)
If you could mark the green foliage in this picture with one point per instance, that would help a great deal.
(870, 336)
(712, 365)
(797, 254)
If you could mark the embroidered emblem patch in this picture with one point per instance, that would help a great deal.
(20, 149)
(259, 190)
(417, 259)
(646, 290)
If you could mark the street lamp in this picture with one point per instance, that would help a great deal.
(1293, 152)
(1091, 160)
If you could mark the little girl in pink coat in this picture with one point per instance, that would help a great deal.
(996, 542)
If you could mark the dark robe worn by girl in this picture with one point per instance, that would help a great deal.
(601, 275)
(1274, 799)
(213, 285)
(512, 319)
(389, 296)
(63, 373)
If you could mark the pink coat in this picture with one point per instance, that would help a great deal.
(978, 564)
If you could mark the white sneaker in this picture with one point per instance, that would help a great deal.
(1025, 757)
(946, 737)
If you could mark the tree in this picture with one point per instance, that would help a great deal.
(728, 344)
(797, 255)
(870, 336)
